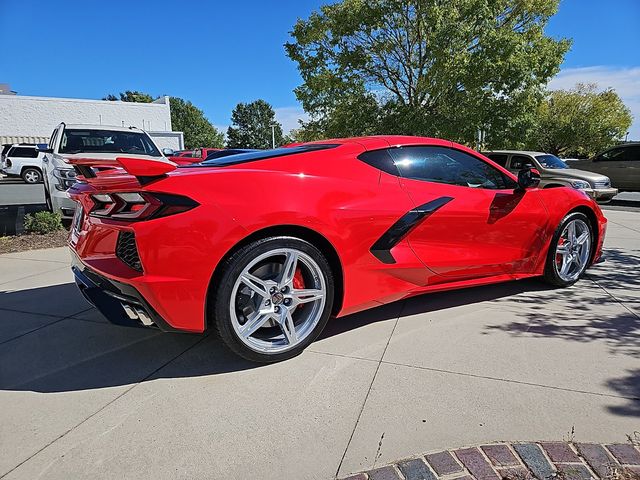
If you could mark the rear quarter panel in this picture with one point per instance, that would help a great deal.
(346, 201)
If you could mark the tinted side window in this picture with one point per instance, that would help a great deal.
(499, 158)
(519, 162)
(446, 165)
(613, 154)
(380, 159)
(23, 152)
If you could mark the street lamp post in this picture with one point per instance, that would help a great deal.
(273, 135)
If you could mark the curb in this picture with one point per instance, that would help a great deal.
(517, 461)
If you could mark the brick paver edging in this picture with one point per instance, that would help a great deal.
(518, 461)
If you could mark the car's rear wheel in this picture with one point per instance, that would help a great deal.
(273, 298)
(31, 175)
(570, 250)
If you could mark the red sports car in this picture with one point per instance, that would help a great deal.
(265, 246)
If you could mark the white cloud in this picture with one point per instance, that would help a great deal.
(625, 81)
(289, 117)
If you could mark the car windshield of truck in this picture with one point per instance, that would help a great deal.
(107, 141)
(551, 162)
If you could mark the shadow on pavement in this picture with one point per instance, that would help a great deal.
(79, 354)
(586, 316)
(71, 354)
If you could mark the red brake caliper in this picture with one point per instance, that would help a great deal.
(298, 281)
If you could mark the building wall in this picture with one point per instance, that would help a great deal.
(173, 140)
(36, 117)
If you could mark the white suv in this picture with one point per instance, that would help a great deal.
(87, 141)
(22, 160)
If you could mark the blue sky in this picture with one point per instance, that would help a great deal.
(219, 53)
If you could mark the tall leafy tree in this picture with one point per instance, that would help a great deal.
(580, 122)
(198, 131)
(429, 67)
(185, 117)
(252, 126)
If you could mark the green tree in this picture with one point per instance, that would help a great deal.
(425, 67)
(252, 126)
(580, 122)
(185, 117)
(198, 131)
(131, 96)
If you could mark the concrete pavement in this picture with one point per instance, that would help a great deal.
(80, 398)
(16, 192)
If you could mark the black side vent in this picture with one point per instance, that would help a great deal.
(127, 251)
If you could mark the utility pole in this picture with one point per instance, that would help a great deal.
(273, 135)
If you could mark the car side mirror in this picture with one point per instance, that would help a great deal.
(528, 178)
(168, 152)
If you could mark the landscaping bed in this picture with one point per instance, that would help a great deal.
(19, 243)
(43, 230)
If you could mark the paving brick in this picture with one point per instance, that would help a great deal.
(357, 476)
(533, 457)
(515, 473)
(416, 470)
(574, 472)
(466, 477)
(500, 455)
(597, 457)
(476, 464)
(384, 473)
(625, 453)
(443, 463)
(560, 452)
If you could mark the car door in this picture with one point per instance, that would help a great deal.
(475, 223)
(47, 157)
(612, 163)
(621, 165)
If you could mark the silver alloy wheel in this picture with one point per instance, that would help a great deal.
(268, 313)
(573, 250)
(31, 176)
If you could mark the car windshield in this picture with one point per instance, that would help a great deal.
(551, 161)
(107, 141)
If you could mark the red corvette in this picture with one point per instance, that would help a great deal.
(265, 246)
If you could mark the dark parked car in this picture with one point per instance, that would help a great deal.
(621, 164)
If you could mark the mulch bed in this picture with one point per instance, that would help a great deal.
(21, 243)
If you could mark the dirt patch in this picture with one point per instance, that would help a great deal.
(21, 243)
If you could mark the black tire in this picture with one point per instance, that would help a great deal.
(233, 266)
(550, 270)
(31, 176)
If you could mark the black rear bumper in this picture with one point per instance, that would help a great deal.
(114, 299)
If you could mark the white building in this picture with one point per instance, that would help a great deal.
(32, 119)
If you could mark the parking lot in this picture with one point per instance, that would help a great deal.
(80, 398)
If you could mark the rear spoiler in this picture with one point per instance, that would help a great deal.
(144, 169)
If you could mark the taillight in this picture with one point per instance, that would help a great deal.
(136, 206)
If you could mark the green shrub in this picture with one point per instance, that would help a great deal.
(42, 222)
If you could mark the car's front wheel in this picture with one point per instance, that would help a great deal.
(570, 250)
(31, 175)
(273, 298)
